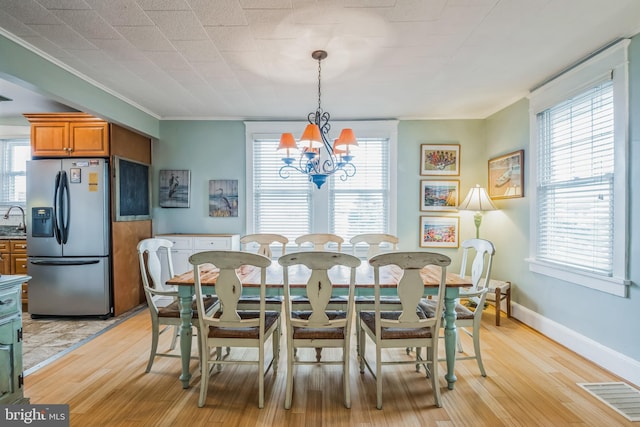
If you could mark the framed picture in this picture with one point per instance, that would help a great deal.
(75, 175)
(223, 197)
(439, 195)
(506, 176)
(441, 159)
(175, 188)
(439, 231)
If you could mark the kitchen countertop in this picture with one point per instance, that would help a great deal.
(11, 233)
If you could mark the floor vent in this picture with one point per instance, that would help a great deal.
(620, 396)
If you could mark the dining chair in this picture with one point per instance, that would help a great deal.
(229, 326)
(320, 323)
(405, 327)
(264, 240)
(469, 315)
(319, 240)
(374, 240)
(162, 300)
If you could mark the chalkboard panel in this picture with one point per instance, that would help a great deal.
(133, 190)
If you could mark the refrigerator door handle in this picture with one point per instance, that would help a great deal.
(64, 262)
(56, 197)
(65, 208)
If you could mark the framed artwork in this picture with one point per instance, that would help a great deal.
(506, 176)
(439, 231)
(175, 188)
(75, 175)
(439, 195)
(441, 159)
(223, 198)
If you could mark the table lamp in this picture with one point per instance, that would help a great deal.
(477, 200)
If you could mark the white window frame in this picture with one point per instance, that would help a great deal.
(385, 129)
(7, 175)
(611, 61)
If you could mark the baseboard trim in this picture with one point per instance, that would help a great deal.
(613, 361)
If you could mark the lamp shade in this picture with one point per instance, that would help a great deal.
(287, 141)
(336, 149)
(477, 200)
(346, 137)
(311, 137)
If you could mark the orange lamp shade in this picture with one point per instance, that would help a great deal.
(347, 137)
(311, 136)
(288, 142)
(337, 150)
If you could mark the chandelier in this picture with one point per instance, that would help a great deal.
(318, 158)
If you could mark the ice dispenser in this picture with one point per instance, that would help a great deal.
(42, 222)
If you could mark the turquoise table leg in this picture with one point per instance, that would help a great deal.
(185, 332)
(450, 334)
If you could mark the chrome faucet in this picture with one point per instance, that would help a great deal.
(22, 227)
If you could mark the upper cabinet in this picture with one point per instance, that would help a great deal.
(68, 135)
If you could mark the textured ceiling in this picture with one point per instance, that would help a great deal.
(251, 59)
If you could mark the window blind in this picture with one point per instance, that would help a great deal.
(13, 181)
(289, 207)
(575, 181)
(360, 204)
(281, 207)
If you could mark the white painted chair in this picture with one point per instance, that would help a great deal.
(374, 240)
(265, 241)
(471, 317)
(319, 240)
(408, 326)
(320, 323)
(162, 300)
(230, 326)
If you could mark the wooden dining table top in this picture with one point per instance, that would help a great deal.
(299, 275)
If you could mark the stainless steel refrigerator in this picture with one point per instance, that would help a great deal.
(68, 237)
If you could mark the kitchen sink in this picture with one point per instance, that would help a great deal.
(11, 231)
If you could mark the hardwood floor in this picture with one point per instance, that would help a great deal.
(531, 381)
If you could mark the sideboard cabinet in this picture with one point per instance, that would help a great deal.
(11, 377)
(185, 245)
(68, 135)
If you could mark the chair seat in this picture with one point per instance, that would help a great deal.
(389, 333)
(173, 309)
(462, 312)
(384, 299)
(255, 299)
(335, 299)
(270, 318)
(304, 333)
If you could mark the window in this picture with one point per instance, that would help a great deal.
(579, 142)
(13, 181)
(363, 203)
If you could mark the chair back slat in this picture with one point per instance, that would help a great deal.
(374, 240)
(319, 240)
(410, 287)
(228, 286)
(480, 266)
(264, 240)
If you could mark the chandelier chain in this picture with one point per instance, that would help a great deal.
(319, 80)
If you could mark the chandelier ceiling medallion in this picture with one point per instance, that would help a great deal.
(318, 158)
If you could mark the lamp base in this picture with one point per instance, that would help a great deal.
(477, 219)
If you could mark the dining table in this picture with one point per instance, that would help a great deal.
(298, 276)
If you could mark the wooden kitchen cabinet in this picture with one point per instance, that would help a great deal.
(5, 257)
(68, 135)
(13, 260)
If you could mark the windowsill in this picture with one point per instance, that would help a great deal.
(611, 285)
